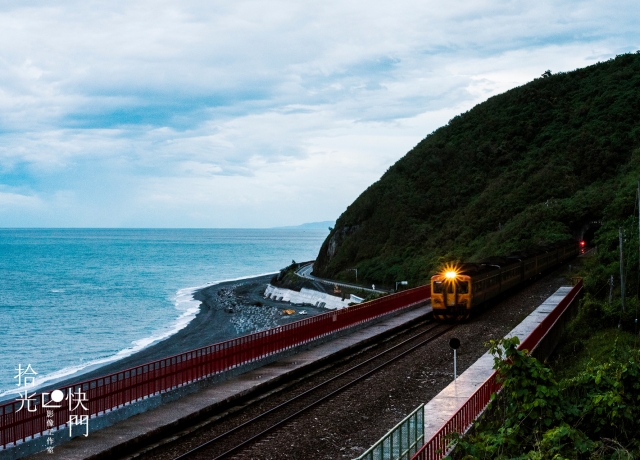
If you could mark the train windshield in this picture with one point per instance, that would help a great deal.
(463, 287)
(438, 287)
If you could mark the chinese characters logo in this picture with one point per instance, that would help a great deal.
(49, 402)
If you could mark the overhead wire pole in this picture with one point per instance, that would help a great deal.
(621, 275)
(638, 287)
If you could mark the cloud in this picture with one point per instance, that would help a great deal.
(8, 199)
(213, 113)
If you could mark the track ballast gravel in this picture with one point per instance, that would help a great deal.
(352, 421)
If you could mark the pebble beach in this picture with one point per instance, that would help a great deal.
(227, 310)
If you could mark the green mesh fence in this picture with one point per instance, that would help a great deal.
(402, 442)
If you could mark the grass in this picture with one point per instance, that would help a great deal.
(592, 347)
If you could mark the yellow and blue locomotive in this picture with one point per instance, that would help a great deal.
(461, 289)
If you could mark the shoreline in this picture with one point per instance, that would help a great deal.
(227, 309)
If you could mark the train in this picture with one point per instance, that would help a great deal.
(462, 289)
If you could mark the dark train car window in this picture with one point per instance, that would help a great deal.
(508, 274)
(463, 287)
(437, 287)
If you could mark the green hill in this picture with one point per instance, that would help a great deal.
(526, 167)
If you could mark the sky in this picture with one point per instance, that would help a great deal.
(254, 113)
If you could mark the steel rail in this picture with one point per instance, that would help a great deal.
(318, 401)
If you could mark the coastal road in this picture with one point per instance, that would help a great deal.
(305, 272)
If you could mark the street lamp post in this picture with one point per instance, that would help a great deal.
(454, 343)
(402, 283)
(354, 270)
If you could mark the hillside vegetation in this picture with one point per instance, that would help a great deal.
(527, 167)
(593, 414)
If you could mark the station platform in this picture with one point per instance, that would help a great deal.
(113, 441)
(444, 405)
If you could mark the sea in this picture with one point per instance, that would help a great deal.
(73, 299)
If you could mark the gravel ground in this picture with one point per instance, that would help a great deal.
(354, 420)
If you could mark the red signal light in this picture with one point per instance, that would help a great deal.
(582, 244)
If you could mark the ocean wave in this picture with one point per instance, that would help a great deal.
(183, 302)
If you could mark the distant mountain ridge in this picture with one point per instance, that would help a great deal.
(526, 167)
(323, 225)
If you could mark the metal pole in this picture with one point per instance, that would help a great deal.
(638, 292)
(621, 268)
(638, 240)
(455, 366)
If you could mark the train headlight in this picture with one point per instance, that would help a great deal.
(450, 275)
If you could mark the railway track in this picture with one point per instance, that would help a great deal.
(345, 422)
(224, 438)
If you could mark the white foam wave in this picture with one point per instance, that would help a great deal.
(184, 303)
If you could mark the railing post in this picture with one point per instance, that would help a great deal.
(115, 390)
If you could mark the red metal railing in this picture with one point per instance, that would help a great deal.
(436, 447)
(547, 323)
(110, 392)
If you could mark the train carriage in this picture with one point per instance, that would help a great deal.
(459, 290)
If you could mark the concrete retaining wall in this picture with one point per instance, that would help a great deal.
(309, 297)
